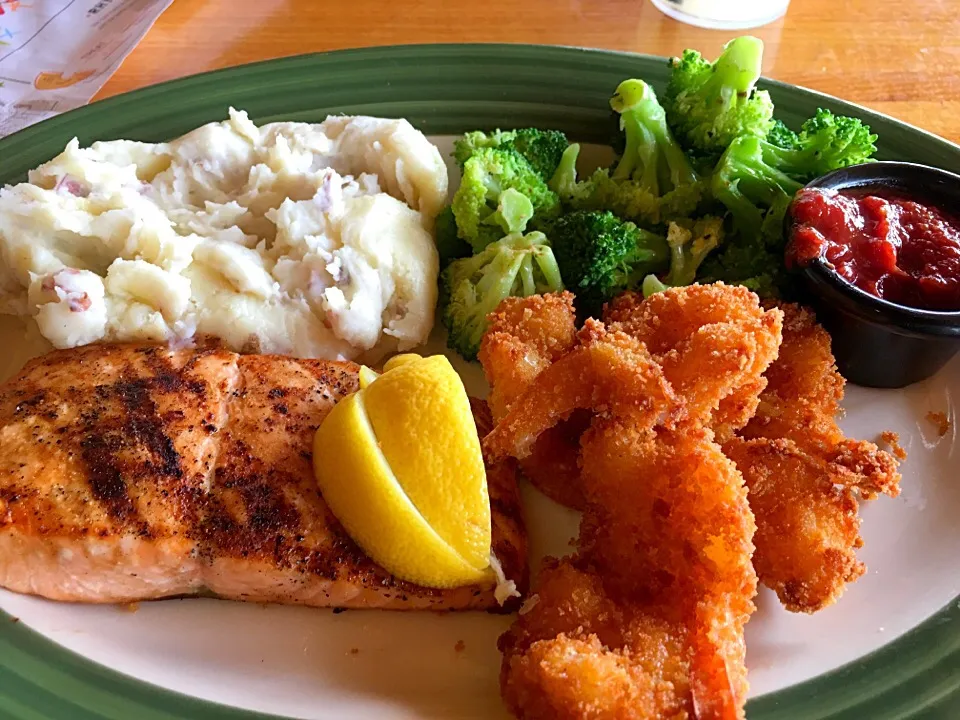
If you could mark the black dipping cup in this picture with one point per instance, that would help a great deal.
(878, 343)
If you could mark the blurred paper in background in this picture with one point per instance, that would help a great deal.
(56, 54)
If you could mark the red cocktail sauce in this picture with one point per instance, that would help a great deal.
(882, 242)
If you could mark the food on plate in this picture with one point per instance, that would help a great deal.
(307, 240)
(892, 441)
(808, 527)
(755, 180)
(940, 421)
(132, 472)
(652, 181)
(886, 244)
(672, 644)
(804, 475)
(699, 337)
(526, 336)
(709, 105)
(600, 255)
(647, 618)
(714, 343)
(450, 246)
(399, 464)
(698, 191)
(779, 417)
(635, 374)
(486, 176)
(542, 149)
(801, 402)
(473, 287)
(690, 243)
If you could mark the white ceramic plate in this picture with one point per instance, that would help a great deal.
(309, 663)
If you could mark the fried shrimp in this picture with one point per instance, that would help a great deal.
(669, 522)
(702, 337)
(580, 654)
(607, 371)
(714, 343)
(804, 475)
(711, 428)
(802, 401)
(646, 619)
(524, 337)
(808, 527)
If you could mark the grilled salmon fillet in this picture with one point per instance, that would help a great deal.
(132, 472)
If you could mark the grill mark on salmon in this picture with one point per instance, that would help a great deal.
(137, 472)
(106, 482)
(146, 425)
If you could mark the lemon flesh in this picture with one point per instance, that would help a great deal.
(399, 463)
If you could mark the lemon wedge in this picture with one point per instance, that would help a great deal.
(400, 465)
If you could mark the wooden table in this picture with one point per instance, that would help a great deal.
(898, 57)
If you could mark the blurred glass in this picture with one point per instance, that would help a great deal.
(724, 14)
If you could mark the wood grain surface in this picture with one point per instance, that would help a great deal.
(898, 57)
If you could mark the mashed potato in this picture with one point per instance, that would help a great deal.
(307, 240)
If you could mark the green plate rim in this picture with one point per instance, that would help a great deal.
(916, 675)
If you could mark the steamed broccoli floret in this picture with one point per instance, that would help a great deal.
(651, 155)
(747, 261)
(825, 143)
(756, 180)
(449, 245)
(541, 148)
(710, 104)
(653, 179)
(782, 136)
(750, 180)
(516, 265)
(626, 199)
(690, 242)
(487, 174)
(600, 256)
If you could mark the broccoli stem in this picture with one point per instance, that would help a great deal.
(528, 285)
(652, 284)
(564, 180)
(498, 278)
(737, 69)
(748, 177)
(548, 267)
(649, 140)
(514, 211)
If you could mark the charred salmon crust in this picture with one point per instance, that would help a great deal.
(133, 472)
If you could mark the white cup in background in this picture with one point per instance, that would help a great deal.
(724, 14)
